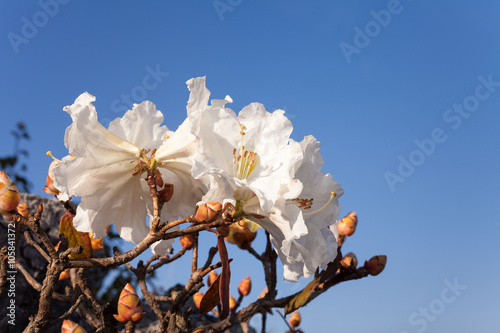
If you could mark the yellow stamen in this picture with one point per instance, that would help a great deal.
(332, 195)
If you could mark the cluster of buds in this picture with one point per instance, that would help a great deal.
(347, 226)
(9, 196)
(242, 232)
(71, 327)
(376, 265)
(129, 306)
(208, 212)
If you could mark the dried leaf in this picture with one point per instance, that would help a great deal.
(301, 298)
(225, 276)
(211, 297)
(75, 238)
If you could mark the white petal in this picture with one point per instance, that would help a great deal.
(198, 99)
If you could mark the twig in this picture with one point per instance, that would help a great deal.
(3, 267)
(165, 260)
(69, 312)
(37, 286)
(31, 242)
(194, 264)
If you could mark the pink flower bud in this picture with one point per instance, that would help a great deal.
(208, 212)
(9, 194)
(70, 327)
(129, 306)
(245, 286)
(376, 265)
(347, 226)
(294, 320)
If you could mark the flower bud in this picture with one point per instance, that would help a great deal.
(22, 209)
(64, 274)
(349, 260)
(347, 226)
(70, 327)
(50, 188)
(245, 286)
(294, 320)
(263, 293)
(212, 276)
(232, 303)
(9, 194)
(197, 299)
(97, 243)
(376, 265)
(129, 306)
(208, 212)
(242, 232)
(187, 241)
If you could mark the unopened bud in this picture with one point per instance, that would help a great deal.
(349, 260)
(9, 194)
(263, 293)
(129, 306)
(50, 188)
(197, 299)
(376, 265)
(208, 212)
(347, 226)
(71, 327)
(187, 241)
(22, 209)
(294, 320)
(245, 286)
(232, 303)
(64, 274)
(97, 243)
(242, 232)
(212, 276)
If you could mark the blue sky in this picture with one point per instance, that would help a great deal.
(396, 85)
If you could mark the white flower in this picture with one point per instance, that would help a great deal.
(105, 165)
(317, 207)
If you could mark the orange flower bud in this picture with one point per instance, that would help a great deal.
(187, 241)
(263, 293)
(64, 274)
(70, 327)
(129, 306)
(376, 265)
(349, 260)
(22, 209)
(208, 212)
(242, 232)
(50, 188)
(197, 299)
(97, 243)
(212, 276)
(294, 320)
(245, 286)
(9, 194)
(232, 303)
(347, 226)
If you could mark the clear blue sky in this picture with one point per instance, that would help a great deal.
(367, 96)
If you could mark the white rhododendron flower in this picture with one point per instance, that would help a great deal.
(318, 208)
(105, 166)
(253, 164)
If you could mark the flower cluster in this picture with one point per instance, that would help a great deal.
(247, 160)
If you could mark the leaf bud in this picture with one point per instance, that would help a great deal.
(294, 320)
(71, 327)
(23, 209)
(349, 260)
(187, 241)
(212, 276)
(197, 299)
(232, 303)
(242, 232)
